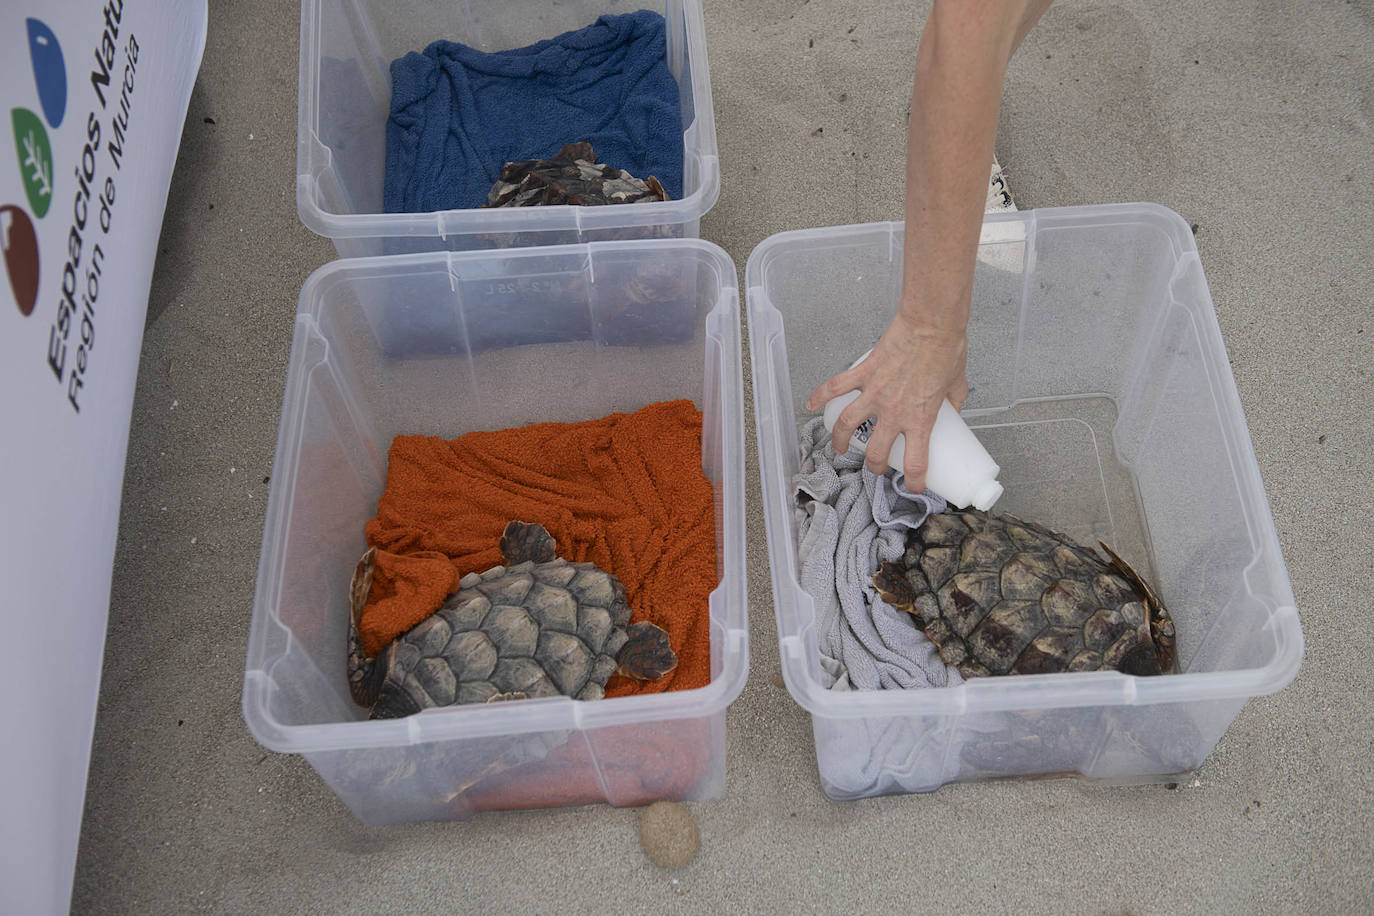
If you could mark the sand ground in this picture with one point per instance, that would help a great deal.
(1253, 119)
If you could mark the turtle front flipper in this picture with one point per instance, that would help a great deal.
(647, 654)
(365, 676)
(1162, 634)
(524, 541)
(893, 587)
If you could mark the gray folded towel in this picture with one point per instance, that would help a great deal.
(849, 520)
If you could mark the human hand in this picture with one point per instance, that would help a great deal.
(911, 370)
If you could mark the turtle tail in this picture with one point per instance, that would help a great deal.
(365, 676)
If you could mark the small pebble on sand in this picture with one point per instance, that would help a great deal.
(669, 834)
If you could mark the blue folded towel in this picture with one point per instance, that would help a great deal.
(458, 114)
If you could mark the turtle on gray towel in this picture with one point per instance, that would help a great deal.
(1000, 595)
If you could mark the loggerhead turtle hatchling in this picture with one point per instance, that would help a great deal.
(537, 626)
(636, 301)
(998, 595)
(573, 177)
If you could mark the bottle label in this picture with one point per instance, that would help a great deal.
(864, 430)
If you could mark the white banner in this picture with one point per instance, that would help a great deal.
(94, 96)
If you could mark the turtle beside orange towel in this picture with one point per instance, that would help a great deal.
(625, 492)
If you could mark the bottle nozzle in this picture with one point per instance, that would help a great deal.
(987, 494)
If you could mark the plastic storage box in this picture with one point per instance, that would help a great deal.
(1101, 386)
(382, 346)
(345, 94)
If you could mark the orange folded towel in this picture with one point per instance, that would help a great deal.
(625, 491)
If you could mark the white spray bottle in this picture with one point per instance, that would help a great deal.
(959, 468)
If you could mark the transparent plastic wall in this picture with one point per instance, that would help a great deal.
(442, 345)
(1102, 388)
(347, 47)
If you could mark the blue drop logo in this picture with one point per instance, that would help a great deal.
(49, 71)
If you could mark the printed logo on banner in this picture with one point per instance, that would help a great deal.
(90, 219)
(33, 152)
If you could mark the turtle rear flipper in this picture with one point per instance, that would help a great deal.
(656, 188)
(365, 676)
(647, 654)
(392, 701)
(524, 541)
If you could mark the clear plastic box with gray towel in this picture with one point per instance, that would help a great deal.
(1103, 390)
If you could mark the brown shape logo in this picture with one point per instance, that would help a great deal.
(20, 245)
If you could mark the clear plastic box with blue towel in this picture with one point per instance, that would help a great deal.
(399, 101)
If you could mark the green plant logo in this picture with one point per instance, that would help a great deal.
(35, 159)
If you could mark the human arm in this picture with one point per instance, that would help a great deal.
(920, 359)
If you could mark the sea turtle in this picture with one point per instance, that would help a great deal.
(635, 300)
(998, 595)
(537, 626)
(573, 177)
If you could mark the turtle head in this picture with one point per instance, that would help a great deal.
(523, 541)
(571, 152)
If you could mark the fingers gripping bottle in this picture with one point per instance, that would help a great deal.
(959, 468)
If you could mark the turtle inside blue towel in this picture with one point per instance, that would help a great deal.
(458, 114)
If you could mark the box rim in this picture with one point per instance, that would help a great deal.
(460, 222)
(551, 714)
(1063, 690)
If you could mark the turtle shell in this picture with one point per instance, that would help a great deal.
(572, 177)
(529, 630)
(998, 595)
(539, 626)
